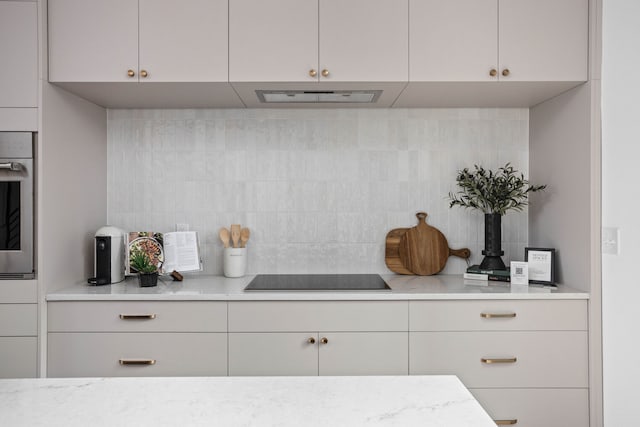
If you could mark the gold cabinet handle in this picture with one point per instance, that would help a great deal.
(506, 72)
(493, 72)
(324, 340)
(496, 315)
(490, 361)
(137, 362)
(313, 73)
(506, 422)
(311, 340)
(325, 73)
(131, 73)
(137, 316)
(144, 73)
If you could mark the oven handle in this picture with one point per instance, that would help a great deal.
(12, 166)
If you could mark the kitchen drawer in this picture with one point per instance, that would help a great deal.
(173, 354)
(137, 316)
(294, 316)
(18, 291)
(537, 407)
(502, 315)
(18, 320)
(18, 357)
(543, 359)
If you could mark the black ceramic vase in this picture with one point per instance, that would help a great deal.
(492, 243)
(146, 280)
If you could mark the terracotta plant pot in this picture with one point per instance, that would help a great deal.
(146, 280)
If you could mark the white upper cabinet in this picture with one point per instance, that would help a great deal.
(19, 53)
(131, 40)
(93, 40)
(273, 40)
(184, 40)
(318, 40)
(543, 40)
(498, 40)
(364, 40)
(453, 40)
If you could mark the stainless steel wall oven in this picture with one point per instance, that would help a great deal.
(16, 205)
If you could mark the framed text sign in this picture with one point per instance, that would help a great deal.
(541, 265)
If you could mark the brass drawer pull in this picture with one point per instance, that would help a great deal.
(506, 422)
(496, 315)
(137, 316)
(311, 340)
(490, 361)
(134, 362)
(324, 340)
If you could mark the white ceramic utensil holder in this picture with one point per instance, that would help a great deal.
(234, 262)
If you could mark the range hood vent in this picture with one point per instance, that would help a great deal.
(319, 96)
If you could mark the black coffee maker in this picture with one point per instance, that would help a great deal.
(109, 256)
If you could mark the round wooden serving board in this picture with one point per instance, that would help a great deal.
(424, 250)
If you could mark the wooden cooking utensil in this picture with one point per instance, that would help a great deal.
(392, 251)
(424, 249)
(224, 236)
(235, 234)
(244, 237)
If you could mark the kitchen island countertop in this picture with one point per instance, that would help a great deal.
(220, 288)
(242, 401)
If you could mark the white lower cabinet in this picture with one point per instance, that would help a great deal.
(18, 327)
(503, 359)
(137, 338)
(363, 353)
(318, 338)
(536, 407)
(137, 354)
(18, 357)
(324, 353)
(280, 353)
(525, 361)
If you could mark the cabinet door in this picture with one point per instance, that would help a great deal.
(543, 40)
(93, 40)
(18, 357)
(183, 40)
(453, 40)
(19, 53)
(273, 40)
(363, 353)
(273, 353)
(364, 40)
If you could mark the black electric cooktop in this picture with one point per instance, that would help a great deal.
(317, 282)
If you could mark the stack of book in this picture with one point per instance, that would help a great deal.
(476, 273)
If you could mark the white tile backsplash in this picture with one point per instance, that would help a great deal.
(319, 188)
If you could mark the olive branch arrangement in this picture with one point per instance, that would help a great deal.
(492, 192)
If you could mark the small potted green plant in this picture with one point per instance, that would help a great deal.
(147, 271)
(494, 193)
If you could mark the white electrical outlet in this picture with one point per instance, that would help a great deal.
(610, 240)
(182, 227)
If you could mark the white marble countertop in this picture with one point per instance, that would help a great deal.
(439, 400)
(203, 287)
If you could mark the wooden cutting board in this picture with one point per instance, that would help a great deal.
(423, 249)
(392, 251)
